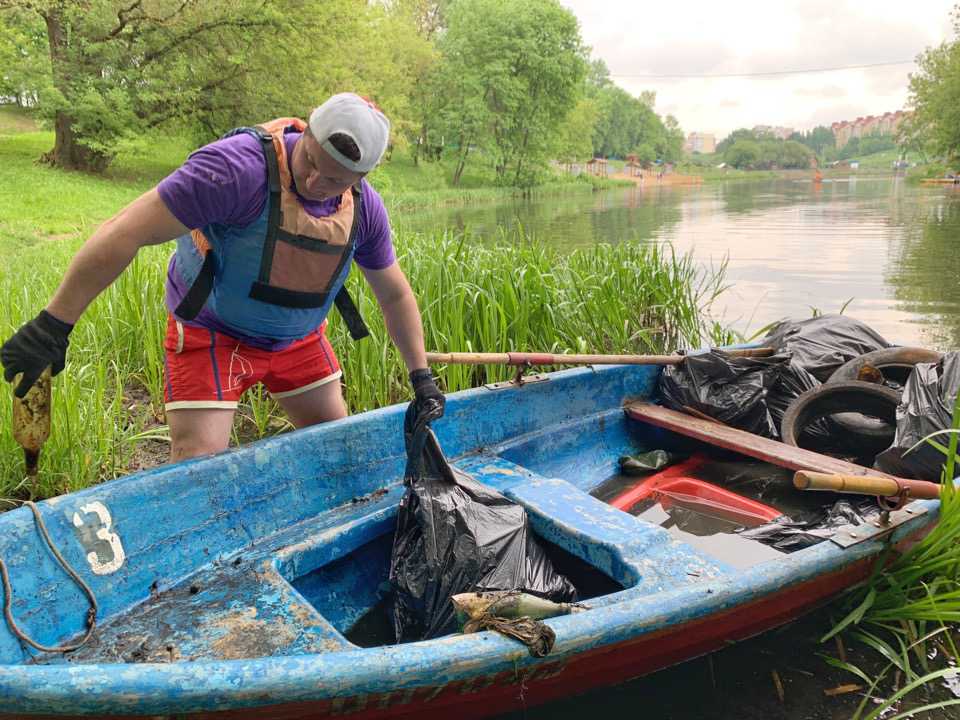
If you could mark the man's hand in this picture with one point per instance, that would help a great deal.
(40, 343)
(427, 396)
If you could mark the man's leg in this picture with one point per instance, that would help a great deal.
(305, 379)
(206, 372)
(318, 405)
(198, 431)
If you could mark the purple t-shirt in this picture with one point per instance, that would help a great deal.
(226, 182)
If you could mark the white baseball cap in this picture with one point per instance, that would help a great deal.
(361, 120)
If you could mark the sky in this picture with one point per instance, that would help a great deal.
(704, 37)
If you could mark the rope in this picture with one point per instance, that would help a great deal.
(8, 594)
(536, 635)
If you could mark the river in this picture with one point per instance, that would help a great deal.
(881, 247)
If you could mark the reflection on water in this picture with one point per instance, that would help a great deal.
(885, 246)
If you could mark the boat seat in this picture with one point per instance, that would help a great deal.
(639, 555)
(223, 613)
(244, 605)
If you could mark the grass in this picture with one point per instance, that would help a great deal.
(108, 402)
(909, 610)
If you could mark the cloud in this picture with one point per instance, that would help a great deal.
(888, 83)
(703, 37)
(626, 57)
(823, 91)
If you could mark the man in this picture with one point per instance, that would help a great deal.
(267, 223)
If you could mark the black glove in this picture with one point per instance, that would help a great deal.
(427, 396)
(40, 343)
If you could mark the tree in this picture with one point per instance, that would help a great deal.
(117, 68)
(24, 62)
(510, 72)
(743, 154)
(628, 125)
(573, 143)
(670, 144)
(820, 139)
(794, 155)
(935, 98)
(736, 135)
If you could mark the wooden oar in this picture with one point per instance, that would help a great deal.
(538, 358)
(866, 485)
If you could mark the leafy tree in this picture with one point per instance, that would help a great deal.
(794, 155)
(743, 154)
(510, 72)
(740, 134)
(935, 98)
(628, 125)
(670, 143)
(598, 75)
(820, 139)
(24, 62)
(766, 152)
(573, 143)
(120, 67)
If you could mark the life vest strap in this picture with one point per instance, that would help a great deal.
(192, 303)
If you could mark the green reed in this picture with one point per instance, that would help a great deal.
(511, 293)
(911, 604)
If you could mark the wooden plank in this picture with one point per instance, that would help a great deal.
(755, 446)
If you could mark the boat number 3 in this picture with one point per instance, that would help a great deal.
(94, 526)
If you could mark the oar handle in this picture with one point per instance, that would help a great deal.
(539, 358)
(865, 485)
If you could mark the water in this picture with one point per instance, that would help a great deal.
(886, 247)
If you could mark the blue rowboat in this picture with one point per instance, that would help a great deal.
(247, 584)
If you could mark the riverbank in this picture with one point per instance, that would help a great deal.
(75, 203)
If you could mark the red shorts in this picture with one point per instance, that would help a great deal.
(207, 369)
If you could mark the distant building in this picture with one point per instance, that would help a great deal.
(700, 143)
(885, 124)
(777, 131)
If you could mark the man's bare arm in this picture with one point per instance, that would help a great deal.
(101, 259)
(400, 313)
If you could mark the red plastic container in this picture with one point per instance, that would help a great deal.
(676, 486)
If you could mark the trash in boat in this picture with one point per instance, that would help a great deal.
(790, 534)
(926, 406)
(647, 462)
(733, 390)
(853, 397)
(740, 503)
(457, 535)
(509, 605)
(793, 382)
(514, 614)
(819, 361)
(822, 344)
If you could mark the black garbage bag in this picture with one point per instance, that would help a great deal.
(457, 535)
(733, 390)
(925, 407)
(822, 344)
(792, 533)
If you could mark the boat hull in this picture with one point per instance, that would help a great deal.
(278, 555)
(484, 696)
